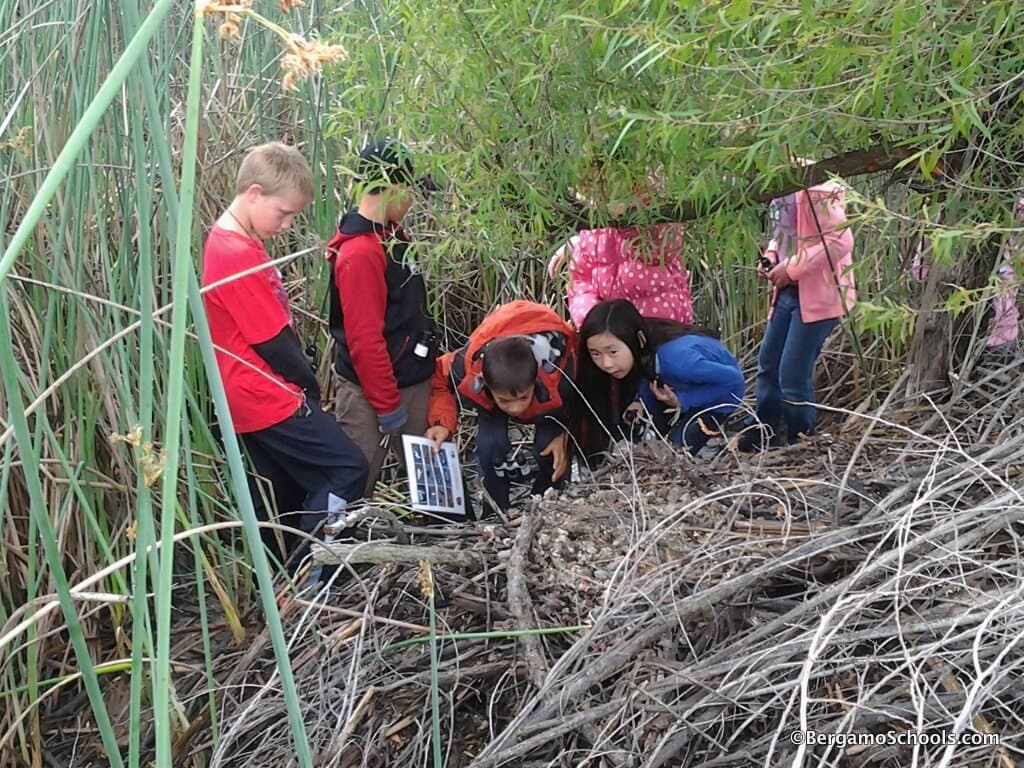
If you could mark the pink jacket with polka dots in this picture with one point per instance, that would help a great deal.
(644, 266)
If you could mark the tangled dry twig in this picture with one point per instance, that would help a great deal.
(696, 612)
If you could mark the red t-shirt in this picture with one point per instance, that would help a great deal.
(242, 313)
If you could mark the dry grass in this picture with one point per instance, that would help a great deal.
(683, 599)
(698, 612)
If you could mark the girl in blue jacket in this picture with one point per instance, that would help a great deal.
(681, 374)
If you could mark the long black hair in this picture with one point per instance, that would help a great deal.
(604, 397)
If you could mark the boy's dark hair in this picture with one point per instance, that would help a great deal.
(384, 163)
(509, 365)
(600, 391)
(388, 162)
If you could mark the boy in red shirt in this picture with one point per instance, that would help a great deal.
(385, 341)
(272, 393)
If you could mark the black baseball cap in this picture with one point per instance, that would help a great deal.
(387, 161)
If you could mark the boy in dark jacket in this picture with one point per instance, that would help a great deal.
(517, 364)
(385, 342)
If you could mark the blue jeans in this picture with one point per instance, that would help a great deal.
(785, 368)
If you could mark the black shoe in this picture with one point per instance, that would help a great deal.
(752, 440)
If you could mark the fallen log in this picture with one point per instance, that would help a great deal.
(374, 552)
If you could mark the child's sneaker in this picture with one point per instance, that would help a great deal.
(752, 440)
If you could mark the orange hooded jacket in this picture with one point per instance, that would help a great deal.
(461, 372)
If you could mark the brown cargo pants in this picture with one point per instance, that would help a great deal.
(359, 421)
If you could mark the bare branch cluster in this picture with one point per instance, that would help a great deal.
(684, 613)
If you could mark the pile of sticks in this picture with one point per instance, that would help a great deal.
(671, 611)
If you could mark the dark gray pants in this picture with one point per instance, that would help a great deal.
(307, 458)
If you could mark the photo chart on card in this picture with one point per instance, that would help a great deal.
(435, 479)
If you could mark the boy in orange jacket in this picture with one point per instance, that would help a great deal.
(518, 364)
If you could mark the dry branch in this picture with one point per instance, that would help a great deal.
(336, 553)
(690, 617)
(857, 162)
(519, 603)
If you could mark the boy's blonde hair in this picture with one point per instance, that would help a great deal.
(279, 169)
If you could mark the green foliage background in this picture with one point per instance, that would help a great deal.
(521, 104)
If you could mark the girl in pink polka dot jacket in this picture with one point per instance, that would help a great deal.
(644, 266)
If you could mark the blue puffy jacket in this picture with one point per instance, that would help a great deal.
(701, 371)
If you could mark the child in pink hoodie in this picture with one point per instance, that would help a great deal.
(644, 266)
(1002, 342)
(808, 262)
